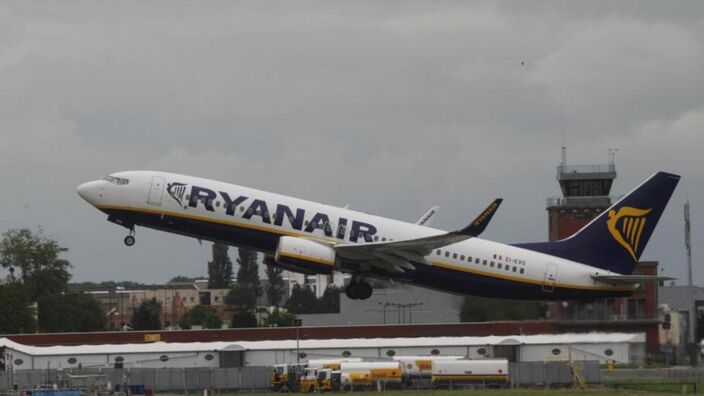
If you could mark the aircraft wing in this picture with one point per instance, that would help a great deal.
(395, 256)
(630, 279)
(427, 218)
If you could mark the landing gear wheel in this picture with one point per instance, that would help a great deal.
(350, 291)
(363, 290)
(359, 290)
(129, 240)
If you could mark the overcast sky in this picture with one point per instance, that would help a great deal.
(389, 106)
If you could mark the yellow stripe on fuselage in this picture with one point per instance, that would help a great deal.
(307, 258)
(335, 241)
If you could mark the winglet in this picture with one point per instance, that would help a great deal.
(427, 218)
(479, 224)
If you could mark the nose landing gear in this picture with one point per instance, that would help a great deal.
(358, 290)
(129, 239)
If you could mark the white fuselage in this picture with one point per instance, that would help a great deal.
(257, 218)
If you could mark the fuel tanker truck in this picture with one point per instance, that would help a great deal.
(355, 375)
(488, 372)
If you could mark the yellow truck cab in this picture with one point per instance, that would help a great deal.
(286, 377)
(319, 380)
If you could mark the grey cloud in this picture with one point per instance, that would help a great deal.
(391, 107)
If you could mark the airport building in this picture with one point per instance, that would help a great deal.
(618, 347)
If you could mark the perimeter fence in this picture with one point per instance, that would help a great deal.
(157, 379)
(548, 374)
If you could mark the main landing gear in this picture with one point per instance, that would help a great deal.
(129, 239)
(358, 290)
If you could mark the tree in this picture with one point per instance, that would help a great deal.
(243, 319)
(201, 315)
(147, 316)
(275, 286)
(70, 312)
(16, 310)
(244, 294)
(302, 301)
(476, 309)
(241, 297)
(329, 302)
(280, 318)
(37, 257)
(220, 268)
(248, 272)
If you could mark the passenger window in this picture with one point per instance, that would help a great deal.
(514, 269)
(447, 254)
(469, 259)
(383, 239)
(438, 252)
(497, 265)
(491, 264)
(477, 261)
(454, 256)
(217, 204)
(508, 267)
(376, 238)
(522, 270)
(462, 257)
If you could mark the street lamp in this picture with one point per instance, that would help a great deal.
(384, 305)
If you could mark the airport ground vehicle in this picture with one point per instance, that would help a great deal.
(489, 372)
(320, 380)
(286, 377)
(366, 374)
(417, 369)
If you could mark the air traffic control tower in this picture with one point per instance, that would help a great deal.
(585, 194)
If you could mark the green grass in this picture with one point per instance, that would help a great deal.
(647, 389)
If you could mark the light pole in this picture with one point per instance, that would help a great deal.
(383, 306)
(298, 322)
(410, 310)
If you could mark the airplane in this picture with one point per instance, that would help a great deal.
(309, 237)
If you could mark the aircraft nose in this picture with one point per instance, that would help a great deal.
(89, 191)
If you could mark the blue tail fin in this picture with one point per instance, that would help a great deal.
(616, 238)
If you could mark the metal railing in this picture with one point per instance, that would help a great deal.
(580, 202)
(596, 168)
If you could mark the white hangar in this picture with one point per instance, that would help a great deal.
(618, 347)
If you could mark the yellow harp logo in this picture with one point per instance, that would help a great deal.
(627, 233)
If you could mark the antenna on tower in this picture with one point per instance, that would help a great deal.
(688, 241)
(563, 156)
(612, 155)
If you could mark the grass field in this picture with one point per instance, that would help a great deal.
(644, 389)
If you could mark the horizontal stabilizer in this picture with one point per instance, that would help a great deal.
(630, 279)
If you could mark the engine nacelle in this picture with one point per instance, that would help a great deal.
(304, 255)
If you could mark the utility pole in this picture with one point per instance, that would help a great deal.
(690, 289)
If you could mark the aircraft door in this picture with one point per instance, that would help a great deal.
(550, 277)
(156, 191)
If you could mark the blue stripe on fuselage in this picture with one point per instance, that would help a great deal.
(434, 277)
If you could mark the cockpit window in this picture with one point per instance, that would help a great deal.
(120, 181)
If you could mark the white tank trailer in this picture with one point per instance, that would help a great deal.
(479, 371)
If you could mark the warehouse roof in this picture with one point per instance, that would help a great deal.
(164, 347)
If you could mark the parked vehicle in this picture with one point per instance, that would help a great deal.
(492, 372)
(286, 377)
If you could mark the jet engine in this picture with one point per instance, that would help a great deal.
(304, 255)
